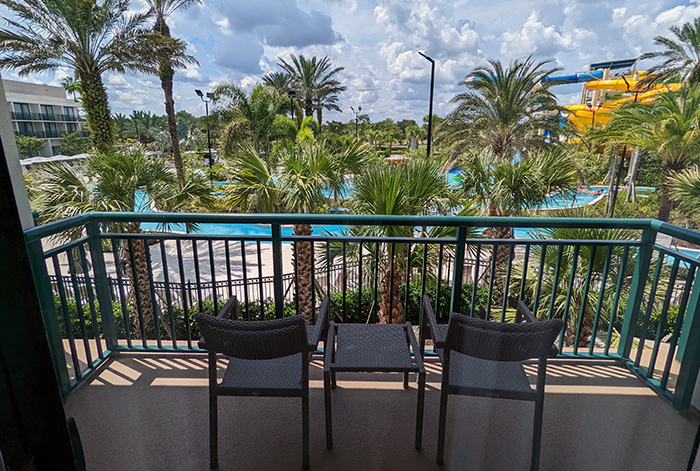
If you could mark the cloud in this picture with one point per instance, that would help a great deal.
(535, 39)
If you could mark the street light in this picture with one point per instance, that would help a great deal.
(206, 106)
(359, 109)
(430, 113)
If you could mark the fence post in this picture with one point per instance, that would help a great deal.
(634, 301)
(277, 270)
(104, 298)
(458, 268)
(688, 353)
(48, 309)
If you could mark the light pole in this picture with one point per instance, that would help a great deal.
(357, 113)
(430, 112)
(206, 106)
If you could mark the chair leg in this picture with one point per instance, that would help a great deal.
(329, 418)
(537, 435)
(441, 427)
(305, 427)
(419, 412)
(405, 380)
(213, 431)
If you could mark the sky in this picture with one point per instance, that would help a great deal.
(377, 43)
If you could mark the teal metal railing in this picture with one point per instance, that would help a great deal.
(622, 295)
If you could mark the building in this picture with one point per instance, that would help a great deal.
(42, 111)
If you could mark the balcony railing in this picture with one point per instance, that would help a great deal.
(622, 294)
(42, 117)
(50, 134)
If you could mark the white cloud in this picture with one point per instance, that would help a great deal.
(535, 39)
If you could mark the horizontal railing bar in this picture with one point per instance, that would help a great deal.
(52, 228)
(182, 236)
(64, 248)
(342, 219)
(676, 254)
(675, 231)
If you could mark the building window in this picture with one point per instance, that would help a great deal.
(71, 127)
(47, 112)
(69, 112)
(55, 150)
(22, 109)
(25, 129)
(51, 130)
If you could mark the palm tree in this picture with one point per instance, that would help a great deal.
(399, 190)
(280, 81)
(295, 185)
(667, 128)
(90, 37)
(250, 114)
(71, 86)
(314, 83)
(681, 56)
(686, 189)
(503, 109)
(122, 124)
(121, 182)
(162, 9)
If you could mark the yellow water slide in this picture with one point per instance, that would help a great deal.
(589, 114)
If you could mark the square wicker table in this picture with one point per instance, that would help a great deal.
(371, 348)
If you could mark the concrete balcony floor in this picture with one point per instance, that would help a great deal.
(151, 413)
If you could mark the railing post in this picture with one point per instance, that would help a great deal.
(277, 268)
(104, 297)
(48, 309)
(455, 302)
(634, 301)
(688, 352)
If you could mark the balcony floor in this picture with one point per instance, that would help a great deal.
(151, 413)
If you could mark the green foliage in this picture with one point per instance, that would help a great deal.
(27, 146)
(367, 311)
(74, 144)
(92, 330)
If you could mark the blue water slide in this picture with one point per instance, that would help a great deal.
(575, 78)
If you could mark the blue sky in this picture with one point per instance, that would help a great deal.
(377, 43)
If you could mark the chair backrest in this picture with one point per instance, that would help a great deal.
(499, 341)
(254, 340)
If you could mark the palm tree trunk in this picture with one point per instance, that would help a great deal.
(97, 108)
(303, 260)
(666, 194)
(138, 276)
(390, 303)
(166, 82)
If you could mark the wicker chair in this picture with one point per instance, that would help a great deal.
(482, 358)
(266, 358)
(314, 332)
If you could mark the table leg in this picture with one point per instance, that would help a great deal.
(329, 418)
(405, 380)
(419, 412)
(333, 382)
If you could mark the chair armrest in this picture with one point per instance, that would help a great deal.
(322, 321)
(523, 313)
(429, 316)
(230, 309)
(417, 354)
(329, 347)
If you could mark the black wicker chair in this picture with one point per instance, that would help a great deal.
(482, 358)
(315, 332)
(266, 358)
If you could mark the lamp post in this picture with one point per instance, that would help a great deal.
(206, 106)
(357, 113)
(430, 112)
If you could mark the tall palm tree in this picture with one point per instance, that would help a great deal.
(122, 180)
(399, 190)
(295, 185)
(162, 9)
(315, 83)
(502, 109)
(90, 37)
(250, 114)
(71, 85)
(280, 81)
(681, 56)
(668, 128)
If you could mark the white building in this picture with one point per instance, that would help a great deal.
(42, 111)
